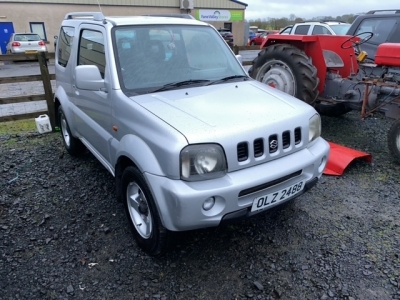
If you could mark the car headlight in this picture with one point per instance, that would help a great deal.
(202, 162)
(314, 128)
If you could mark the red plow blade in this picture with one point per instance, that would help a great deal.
(340, 157)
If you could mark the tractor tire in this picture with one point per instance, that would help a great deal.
(288, 69)
(394, 141)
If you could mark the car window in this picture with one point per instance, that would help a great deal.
(287, 30)
(26, 37)
(340, 29)
(64, 45)
(380, 27)
(165, 54)
(91, 50)
(318, 29)
(302, 29)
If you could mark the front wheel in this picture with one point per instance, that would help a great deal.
(144, 219)
(394, 140)
(287, 69)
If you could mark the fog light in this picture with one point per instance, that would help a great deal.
(322, 165)
(209, 203)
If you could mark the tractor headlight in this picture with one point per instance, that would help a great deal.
(314, 130)
(202, 162)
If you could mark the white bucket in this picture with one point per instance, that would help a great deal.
(43, 124)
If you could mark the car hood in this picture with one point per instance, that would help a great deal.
(210, 113)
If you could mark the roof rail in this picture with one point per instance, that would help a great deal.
(371, 12)
(338, 21)
(97, 16)
(183, 16)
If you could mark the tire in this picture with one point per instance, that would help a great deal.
(73, 145)
(332, 110)
(288, 69)
(144, 219)
(394, 141)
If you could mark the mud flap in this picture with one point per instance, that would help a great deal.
(340, 157)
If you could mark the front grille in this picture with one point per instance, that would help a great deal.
(258, 147)
(297, 135)
(286, 139)
(275, 142)
(242, 151)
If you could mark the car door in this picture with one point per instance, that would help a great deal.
(262, 37)
(93, 108)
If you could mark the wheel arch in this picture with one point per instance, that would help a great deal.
(133, 151)
(61, 99)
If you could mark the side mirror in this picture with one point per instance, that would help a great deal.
(239, 58)
(55, 37)
(88, 77)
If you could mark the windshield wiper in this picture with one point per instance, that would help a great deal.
(228, 78)
(172, 85)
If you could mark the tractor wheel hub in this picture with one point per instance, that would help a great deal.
(281, 79)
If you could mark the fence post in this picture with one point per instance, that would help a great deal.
(48, 91)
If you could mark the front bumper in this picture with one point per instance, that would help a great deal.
(180, 203)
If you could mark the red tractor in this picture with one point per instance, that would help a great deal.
(332, 74)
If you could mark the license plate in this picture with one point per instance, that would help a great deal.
(30, 52)
(278, 196)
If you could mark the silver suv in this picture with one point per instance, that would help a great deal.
(191, 139)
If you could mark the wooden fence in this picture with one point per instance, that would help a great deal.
(44, 76)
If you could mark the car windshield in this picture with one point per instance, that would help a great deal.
(26, 37)
(150, 57)
(340, 29)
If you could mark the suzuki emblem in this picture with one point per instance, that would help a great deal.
(273, 144)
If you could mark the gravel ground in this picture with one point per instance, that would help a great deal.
(64, 236)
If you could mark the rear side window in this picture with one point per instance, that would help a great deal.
(318, 29)
(302, 29)
(91, 50)
(380, 27)
(64, 42)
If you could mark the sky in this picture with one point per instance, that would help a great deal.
(308, 9)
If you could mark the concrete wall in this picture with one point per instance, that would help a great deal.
(21, 14)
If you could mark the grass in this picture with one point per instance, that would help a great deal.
(17, 127)
(27, 128)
